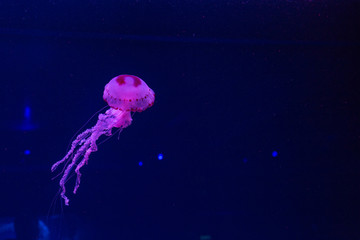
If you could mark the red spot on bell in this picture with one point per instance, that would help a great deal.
(120, 79)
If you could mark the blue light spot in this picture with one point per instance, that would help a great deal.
(27, 152)
(274, 153)
(27, 112)
(140, 163)
(160, 156)
(245, 160)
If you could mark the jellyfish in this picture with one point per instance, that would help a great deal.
(124, 94)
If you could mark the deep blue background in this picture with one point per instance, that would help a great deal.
(234, 82)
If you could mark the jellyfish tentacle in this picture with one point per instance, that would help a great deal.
(87, 142)
(64, 178)
(74, 144)
(93, 148)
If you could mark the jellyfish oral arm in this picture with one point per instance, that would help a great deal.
(85, 144)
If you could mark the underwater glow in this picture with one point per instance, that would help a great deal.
(160, 156)
(140, 163)
(27, 112)
(124, 94)
(26, 123)
(27, 152)
(274, 153)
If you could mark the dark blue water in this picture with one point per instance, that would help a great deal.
(253, 135)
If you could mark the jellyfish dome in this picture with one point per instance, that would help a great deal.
(124, 94)
(128, 93)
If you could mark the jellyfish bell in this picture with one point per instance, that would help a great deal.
(124, 94)
(128, 93)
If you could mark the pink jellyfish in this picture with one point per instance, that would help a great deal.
(124, 94)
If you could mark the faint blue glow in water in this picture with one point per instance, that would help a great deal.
(160, 156)
(205, 237)
(27, 152)
(26, 124)
(140, 163)
(27, 112)
(245, 160)
(274, 153)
